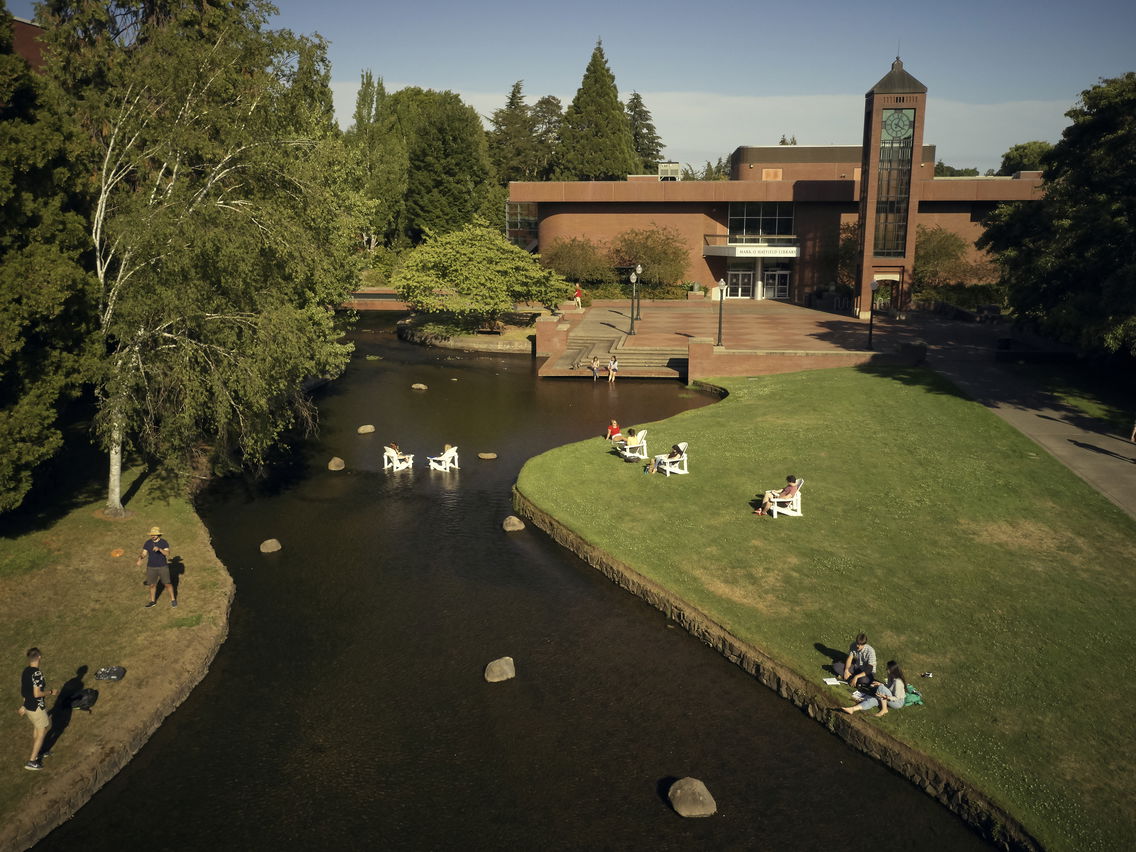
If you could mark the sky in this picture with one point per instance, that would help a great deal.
(743, 72)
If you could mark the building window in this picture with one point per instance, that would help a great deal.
(752, 220)
(893, 185)
(521, 222)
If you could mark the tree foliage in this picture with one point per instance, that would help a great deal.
(513, 147)
(644, 139)
(1069, 259)
(662, 252)
(382, 157)
(595, 138)
(710, 171)
(943, 170)
(475, 272)
(580, 260)
(449, 172)
(222, 221)
(43, 286)
(548, 119)
(1025, 157)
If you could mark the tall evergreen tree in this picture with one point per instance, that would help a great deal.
(595, 140)
(512, 139)
(648, 146)
(548, 119)
(450, 176)
(43, 287)
(382, 155)
(221, 224)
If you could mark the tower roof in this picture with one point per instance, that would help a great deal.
(897, 81)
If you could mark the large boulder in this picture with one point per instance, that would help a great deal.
(336, 463)
(690, 798)
(365, 430)
(513, 524)
(270, 545)
(500, 669)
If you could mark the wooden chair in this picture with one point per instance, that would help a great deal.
(393, 460)
(669, 466)
(639, 451)
(446, 461)
(788, 505)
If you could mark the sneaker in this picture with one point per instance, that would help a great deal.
(174, 602)
(34, 765)
(150, 604)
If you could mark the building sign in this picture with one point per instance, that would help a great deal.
(751, 251)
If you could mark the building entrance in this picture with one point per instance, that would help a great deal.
(776, 284)
(739, 285)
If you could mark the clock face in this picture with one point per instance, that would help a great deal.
(898, 123)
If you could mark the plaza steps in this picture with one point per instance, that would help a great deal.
(634, 363)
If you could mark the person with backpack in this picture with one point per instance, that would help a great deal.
(34, 689)
(156, 552)
(891, 695)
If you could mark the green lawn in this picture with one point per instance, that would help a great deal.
(951, 539)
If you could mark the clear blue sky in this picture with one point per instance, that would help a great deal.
(742, 72)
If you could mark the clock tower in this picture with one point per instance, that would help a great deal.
(890, 176)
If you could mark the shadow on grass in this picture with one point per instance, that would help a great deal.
(62, 712)
(834, 656)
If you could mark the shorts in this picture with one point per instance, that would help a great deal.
(154, 574)
(39, 719)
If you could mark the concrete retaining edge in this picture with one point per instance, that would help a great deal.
(31, 825)
(466, 342)
(935, 779)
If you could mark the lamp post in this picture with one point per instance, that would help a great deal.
(638, 303)
(634, 277)
(872, 311)
(721, 305)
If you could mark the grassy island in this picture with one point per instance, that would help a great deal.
(955, 542)
(69, 585)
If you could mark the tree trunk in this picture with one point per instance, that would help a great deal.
(114, 508)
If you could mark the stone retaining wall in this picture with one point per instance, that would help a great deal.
(925, 772)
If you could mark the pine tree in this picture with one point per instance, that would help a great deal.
(548, 119)
(648, 145)
(595, 140)
(512, 140)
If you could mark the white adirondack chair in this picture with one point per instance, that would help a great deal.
(669, 466)
(393, 461)
(639, 451)
(446, 461)
(788, 505)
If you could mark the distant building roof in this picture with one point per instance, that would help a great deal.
(897, 81)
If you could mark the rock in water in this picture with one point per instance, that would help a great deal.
(365, 430)
(419, 386)
(336, 463)
(513, 524)
(690, 798)
(487, 456)
(501, 669)
(269, 545)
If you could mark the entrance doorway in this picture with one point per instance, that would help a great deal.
(739, 285)
(777, 284)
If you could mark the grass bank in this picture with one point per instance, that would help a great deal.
(69, 585)
(954, 541)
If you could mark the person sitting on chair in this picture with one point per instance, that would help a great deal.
(632, 439)
(788, 491)
(675, 453)
(399, 453)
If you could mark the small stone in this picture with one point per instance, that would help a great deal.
(513, 524)
(269, 545)
(500, 669)
(690, 798)
(487, 456)
(419, 386)
(365, 430)
(336, 463)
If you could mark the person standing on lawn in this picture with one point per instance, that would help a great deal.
(33, 688)
(156, 552)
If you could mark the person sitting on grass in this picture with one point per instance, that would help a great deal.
(860, 664)
(675, 453)
(888, 695)
(613, 433)
(791, 486)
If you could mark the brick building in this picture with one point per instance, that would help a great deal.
(772, 231)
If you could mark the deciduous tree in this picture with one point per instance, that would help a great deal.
(1069, 259)
(1025, 157)
(382, 156)
(661, 252)
(579, 260)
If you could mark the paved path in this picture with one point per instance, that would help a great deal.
(1091, 448)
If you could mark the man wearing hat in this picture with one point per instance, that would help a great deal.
(156, 552)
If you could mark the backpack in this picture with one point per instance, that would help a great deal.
(110, 673)
(912, 696)
(84, 699)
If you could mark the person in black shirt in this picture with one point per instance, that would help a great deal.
(156, 552)
(33, 688)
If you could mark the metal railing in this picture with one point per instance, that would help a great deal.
(750, 240)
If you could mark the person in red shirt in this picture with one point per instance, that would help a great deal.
(613, 433)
